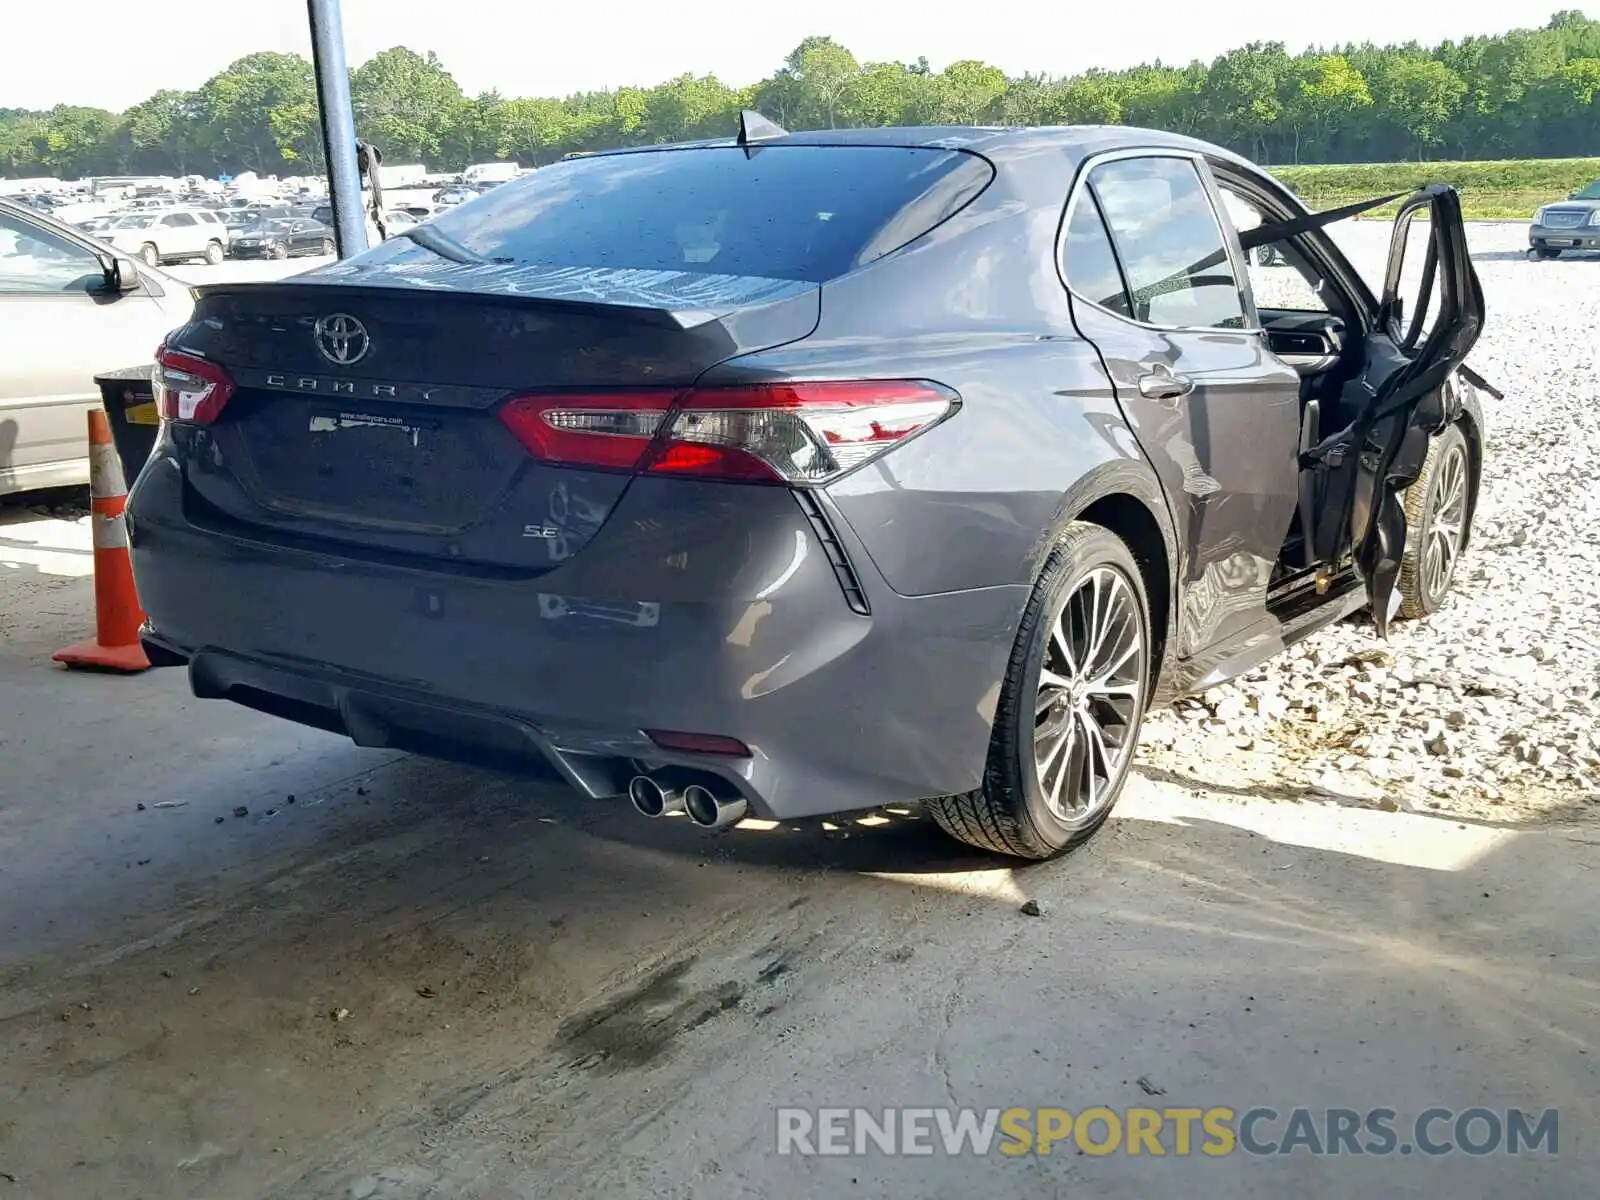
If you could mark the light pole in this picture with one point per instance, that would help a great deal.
(338, 126)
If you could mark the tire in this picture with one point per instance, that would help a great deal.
(278, 252)
(328, 247)
(1544, 253)
(149, 255)
(1265, 255)
(1438, 514)
(214, 253)
(1010, 813)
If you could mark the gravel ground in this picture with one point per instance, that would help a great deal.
(1488, 708)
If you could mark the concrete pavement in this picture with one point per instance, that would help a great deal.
(417, 980)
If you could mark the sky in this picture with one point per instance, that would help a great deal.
(112, 53)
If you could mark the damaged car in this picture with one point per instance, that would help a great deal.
(788, 475)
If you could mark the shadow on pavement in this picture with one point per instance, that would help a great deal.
(446, 978)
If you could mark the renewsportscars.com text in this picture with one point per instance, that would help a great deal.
(1159, 1132)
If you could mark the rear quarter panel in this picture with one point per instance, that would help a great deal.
(977, 306)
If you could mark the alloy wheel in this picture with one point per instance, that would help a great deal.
(1091, 692)
(1447, 517)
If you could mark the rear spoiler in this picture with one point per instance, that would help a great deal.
(675, 299)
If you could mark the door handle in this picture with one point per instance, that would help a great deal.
(1164, 385)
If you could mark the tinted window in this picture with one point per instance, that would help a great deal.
(36, 260)
(178, 220)
(1088, 261)
(1170, 243)
(788, 212)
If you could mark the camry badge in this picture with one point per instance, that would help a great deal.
(341, 339)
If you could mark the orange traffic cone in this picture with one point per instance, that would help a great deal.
(117, 615)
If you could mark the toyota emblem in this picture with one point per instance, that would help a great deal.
(341, 339)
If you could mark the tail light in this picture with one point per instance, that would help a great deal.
(189, 388)
(784, 433)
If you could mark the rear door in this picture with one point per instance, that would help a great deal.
(1429, 317)
(181, 234)
(1217, 416)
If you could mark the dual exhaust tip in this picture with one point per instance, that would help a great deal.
(706, 804)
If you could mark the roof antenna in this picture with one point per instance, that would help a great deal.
(753, 127)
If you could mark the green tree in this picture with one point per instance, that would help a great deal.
(1241, 93)
(253, 114)
(1322, 91)
(1522, 93)
(973, 92)
(1419, 96)
(406, 103)
(825, 71)
(687, 107)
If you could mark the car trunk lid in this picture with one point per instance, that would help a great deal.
(367, 415)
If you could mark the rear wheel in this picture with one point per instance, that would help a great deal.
(150, 255)
(1068, 720)
(1437, 508)
(214, 253)
(328, 246)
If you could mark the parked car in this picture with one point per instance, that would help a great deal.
(451, 196)
(69, 308)
(1572, 224)
(730, 482)
(323, 213)
(171, 235)
(283, 239)
(239, 219)
(94, 225)
(399, 219)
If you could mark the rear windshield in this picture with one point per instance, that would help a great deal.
(786, 212)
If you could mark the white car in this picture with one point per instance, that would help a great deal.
(69, 309)
(170, 235)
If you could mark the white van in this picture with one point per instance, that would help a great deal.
(495, 172)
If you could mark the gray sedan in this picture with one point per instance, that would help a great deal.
(1572, 224)
(798, 475)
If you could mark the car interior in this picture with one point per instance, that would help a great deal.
(1314, 324)
(1372, 383)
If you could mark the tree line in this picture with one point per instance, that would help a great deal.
(1527, 93)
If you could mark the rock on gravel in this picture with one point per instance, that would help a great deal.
(1490, 707)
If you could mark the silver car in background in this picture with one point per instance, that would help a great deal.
(70, 308)
(1572, 224)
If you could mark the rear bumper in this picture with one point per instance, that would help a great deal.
(731, 621)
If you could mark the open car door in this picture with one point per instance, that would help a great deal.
(1428, 319)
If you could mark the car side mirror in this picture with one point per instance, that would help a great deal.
(121, 275)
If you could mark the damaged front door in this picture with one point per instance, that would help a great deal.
(1427, 321)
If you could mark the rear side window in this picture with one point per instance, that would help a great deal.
(786, 212)
(1088, 262)
(1169, 242)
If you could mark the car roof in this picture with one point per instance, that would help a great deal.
(995, 141)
